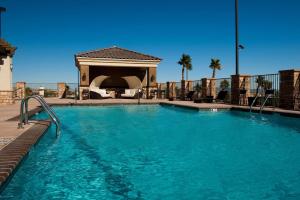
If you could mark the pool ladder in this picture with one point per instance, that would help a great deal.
(268, 94)
(24, 115)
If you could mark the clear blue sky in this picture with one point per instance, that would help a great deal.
(49, 32)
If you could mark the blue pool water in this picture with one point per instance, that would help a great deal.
(162, 152)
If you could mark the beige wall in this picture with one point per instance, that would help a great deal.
(152, 76)
(84, 75)
(6, 74)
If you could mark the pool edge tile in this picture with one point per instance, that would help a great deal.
(12, 155)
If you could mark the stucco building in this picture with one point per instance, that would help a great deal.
(116, 68)
(6, 66)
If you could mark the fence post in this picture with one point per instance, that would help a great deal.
(61, 89)
(208, 87)
(238, 83)
(289, 95)
(168, 90)
(182, 90)
(172, 93)
(189, 86)
(21, 89)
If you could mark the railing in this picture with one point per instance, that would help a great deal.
(178, 89)
(161, 90)
(24, 114)
(197, 85)
(266, 82)
(224, 84)
(48, 89)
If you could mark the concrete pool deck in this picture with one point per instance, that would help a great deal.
(15, 143)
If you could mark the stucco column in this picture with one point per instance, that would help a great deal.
(84, 79)
(84, 75)
(173, 89)
(158, 89)
(238, 84)
(289, 96)
(61, 89)
(21, 89)
(167, 90)
(208, 87)
(189, 85)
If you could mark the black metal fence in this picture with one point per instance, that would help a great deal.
(224, 84)
(197, 85)
(265, 82)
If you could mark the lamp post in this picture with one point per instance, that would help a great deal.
(2, 9)
(236, 39)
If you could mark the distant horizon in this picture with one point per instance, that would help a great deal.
(48, 34)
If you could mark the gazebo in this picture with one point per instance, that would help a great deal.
(116, 69)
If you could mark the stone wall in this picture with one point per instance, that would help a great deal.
(239, 83)
(61, 90)
(6, 97)
(289, 97)
(208, 87)
(171, 90)
(20, 90)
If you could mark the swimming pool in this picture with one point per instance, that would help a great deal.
(162, 152)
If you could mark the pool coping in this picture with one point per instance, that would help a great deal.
(16, 151)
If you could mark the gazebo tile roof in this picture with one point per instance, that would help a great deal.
(116, 53)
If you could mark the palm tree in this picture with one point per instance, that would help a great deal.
(215, 64)
(186, 62)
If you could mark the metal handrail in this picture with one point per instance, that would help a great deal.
(24, 116)
(49, 107)
(259, 94)
(270, 93)
(263, 105)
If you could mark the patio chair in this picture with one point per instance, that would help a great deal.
(85, 94)
(97, 93)
(221, 96)
(189, 95)
(130, 93)
(210, 99)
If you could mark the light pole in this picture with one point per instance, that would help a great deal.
(236, 39)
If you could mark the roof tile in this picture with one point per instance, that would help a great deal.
(117, 53)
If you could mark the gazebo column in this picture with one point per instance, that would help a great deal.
(151, 79)
(84, 79)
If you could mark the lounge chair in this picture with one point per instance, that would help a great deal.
(85, 94)
(221, 96)
(190, 95)
(97, 93)
(210, 99)
(130, 93)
